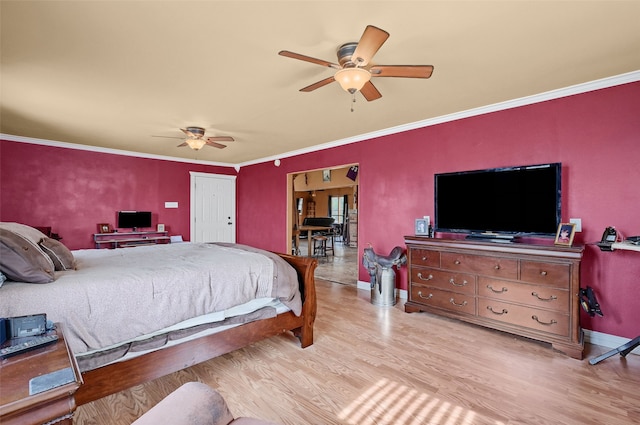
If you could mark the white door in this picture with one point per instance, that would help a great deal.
(213, 208)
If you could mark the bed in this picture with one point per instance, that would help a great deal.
(161, 308)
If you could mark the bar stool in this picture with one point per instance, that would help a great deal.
(319, 246)
(331, 241)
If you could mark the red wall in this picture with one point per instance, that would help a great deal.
(73, 190)
(595, 135)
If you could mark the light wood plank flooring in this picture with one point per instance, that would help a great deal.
(376, 365)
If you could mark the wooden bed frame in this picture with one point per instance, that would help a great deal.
(116, 377)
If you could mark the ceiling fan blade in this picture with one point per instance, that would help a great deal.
(182, 144)
(220, 139)
(215, 145)
(308, 59)
(372, 39)
(406, 71)
(189, 134)
(370, 92)
(317, 85)
(168, 137)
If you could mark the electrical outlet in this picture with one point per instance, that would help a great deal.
(577, 222)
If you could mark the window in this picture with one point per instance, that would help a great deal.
(338, 208)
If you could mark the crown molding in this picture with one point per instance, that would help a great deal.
(603, 83)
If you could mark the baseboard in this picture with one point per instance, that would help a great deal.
(401, 293)
(592, 337)
(364, 285)
(606, 340)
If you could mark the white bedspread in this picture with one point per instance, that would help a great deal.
(120, 294)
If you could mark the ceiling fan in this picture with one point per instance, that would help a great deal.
(196, 140)
(354, 68)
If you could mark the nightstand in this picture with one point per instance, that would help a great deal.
(25, 400)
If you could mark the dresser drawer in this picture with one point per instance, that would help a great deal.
(444, 279)
(446, 300)
(522, 293)
(553, 322)
(424, 257)
(545, 273)
(505, 268)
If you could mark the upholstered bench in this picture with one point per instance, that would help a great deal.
(194, 403)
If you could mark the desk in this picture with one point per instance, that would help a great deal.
(624, 349)
(310, 230)
(56, 405)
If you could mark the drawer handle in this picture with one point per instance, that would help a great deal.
(424, 278)
(464, 303)
(457, 262)
(453, 282)
(543, 273)
(497, 267)
(552, 322)
(424, 258)
(500, 313)
(425, 298)
(497, 292)
(551, 298)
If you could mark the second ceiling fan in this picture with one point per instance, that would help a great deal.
(354, 65)
(196, 139)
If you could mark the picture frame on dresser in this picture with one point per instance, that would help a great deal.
(422, 227)
(565, 234)
(104, 228)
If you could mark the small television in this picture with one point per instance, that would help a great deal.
(134, 219)
(514, 201)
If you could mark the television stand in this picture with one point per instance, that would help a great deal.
(530, 290)
(129, 239)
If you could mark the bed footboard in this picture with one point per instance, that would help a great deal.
(117, 377)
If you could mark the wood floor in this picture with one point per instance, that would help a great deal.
(373, 365)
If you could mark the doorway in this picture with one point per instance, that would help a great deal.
(329, 192)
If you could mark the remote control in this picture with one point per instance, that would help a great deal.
(31, 344)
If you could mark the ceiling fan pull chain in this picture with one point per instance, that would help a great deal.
(353, 100)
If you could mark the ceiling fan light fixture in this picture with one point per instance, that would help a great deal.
(195, 144)
(352, 79)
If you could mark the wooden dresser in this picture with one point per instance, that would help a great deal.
(525, 289)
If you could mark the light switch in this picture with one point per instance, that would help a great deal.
(171, 205)
(577, 222)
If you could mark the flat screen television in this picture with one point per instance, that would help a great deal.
(134, 219)
(516, 201)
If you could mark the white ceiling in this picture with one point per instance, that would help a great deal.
(112, 74)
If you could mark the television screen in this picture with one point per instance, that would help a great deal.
(134, 219)
(514, 200)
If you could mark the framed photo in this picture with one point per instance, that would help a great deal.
(160, 227)
(104, 228)
(565, 234)
(422, 226)
(326, 175)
